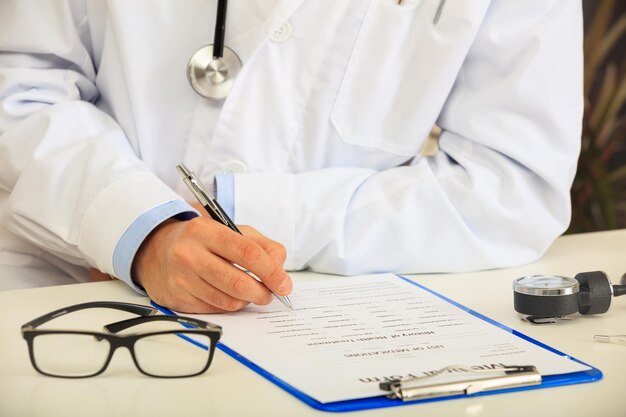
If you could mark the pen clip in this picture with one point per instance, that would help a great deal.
(202, 194)
(508, 377)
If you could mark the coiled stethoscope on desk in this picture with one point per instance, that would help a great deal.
(213, 68)
(543, 299)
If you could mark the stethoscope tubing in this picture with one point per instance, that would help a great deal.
(220, 29)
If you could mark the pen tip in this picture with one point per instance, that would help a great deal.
(286, 301)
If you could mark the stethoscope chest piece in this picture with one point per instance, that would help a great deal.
(542, 299)
(213, 77)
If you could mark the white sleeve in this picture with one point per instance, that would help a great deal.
(75, 182)
(497, 193)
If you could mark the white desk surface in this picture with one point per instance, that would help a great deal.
(230, 389)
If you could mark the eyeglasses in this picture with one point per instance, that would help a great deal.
(176, 353)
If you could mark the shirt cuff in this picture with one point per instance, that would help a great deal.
(225, 193)
(128, 245)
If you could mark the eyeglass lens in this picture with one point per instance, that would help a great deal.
(172, 354)
(73, 355)
(164, 355)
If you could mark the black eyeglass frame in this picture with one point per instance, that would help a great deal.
(147, 314)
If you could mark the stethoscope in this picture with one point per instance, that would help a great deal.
(213, 68)
(543, 299)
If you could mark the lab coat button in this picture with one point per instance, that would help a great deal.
(282, 33)
(235, 167)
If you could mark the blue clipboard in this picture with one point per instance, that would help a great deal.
(548, 381)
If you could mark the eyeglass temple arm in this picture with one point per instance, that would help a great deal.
(129, 307)
(185, 321)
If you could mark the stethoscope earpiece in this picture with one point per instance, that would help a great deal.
(542, 299)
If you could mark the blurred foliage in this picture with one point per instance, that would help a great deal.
(599, 189)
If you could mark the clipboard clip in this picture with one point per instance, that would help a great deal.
(500, 378)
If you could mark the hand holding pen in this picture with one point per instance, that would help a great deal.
(210, 204)
(189, 266)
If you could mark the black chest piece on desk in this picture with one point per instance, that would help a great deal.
(542, 299)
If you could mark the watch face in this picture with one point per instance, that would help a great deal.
(545, 285)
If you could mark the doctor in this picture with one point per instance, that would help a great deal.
(317, 144)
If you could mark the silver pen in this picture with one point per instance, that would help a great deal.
(218, 214)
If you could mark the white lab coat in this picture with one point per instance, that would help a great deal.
(322, 130)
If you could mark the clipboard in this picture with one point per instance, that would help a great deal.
(383, 401)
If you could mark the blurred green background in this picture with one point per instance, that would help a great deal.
(599, 190)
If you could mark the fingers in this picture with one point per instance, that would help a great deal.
(250, 255)
(232, 283)
(209, 297)
(273, 248)
(190, 293)
(186, 302)
(276, 251)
